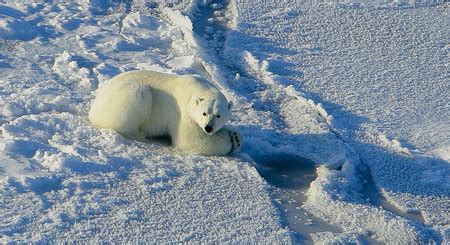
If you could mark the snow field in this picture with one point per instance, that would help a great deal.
(63, 180)
(297, 91)
(360, 61)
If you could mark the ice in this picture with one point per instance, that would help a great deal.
(369, 93)
(86, 160)
(291, 177)
(178, 18)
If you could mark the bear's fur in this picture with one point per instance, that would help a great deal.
(188, 109)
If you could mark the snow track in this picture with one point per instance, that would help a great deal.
(291, 117)
(294, 116)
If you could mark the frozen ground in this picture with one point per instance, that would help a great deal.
(344, 110)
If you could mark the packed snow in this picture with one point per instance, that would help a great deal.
(343, 108)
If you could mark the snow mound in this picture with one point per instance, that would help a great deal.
(68, 68)
(104, 72)
(35, 100)
(65, 22)
(65, 149)
(141, 21)
(12, 110)
(177, 17)
(443, 152)
(16, 29)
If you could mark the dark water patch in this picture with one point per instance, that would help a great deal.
(286, 171)
(291, 177)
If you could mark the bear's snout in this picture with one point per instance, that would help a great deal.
(208, 129)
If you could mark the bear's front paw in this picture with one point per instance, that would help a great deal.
(236, 141)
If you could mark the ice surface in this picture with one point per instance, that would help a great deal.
(291, 177)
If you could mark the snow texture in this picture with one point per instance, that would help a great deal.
(357, 87)
(64, 180)
(378, 73)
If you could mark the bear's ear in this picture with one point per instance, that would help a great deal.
(198, 100)
(230, 104)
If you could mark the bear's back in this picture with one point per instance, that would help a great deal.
(144, 76)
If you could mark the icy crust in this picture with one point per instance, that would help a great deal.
(301, 126)
(63, 180)
(61, 68)
(378, 4)
(96, 185)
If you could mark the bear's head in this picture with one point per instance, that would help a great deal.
(210, 112)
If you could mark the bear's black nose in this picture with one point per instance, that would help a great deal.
(208, 129)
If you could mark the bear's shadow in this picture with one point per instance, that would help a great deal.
(159, 140)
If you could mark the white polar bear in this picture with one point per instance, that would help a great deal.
(188, 109)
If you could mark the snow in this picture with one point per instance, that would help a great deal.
(101, 186)
(66, 67)
(376, 75)
(64, 180)
(15, 29)
(343, 108)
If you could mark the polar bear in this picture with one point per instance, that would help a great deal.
(188, 109)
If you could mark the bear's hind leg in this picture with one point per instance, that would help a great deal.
(123, 107)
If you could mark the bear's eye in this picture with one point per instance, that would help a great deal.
(218, 116)
(204, 113)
